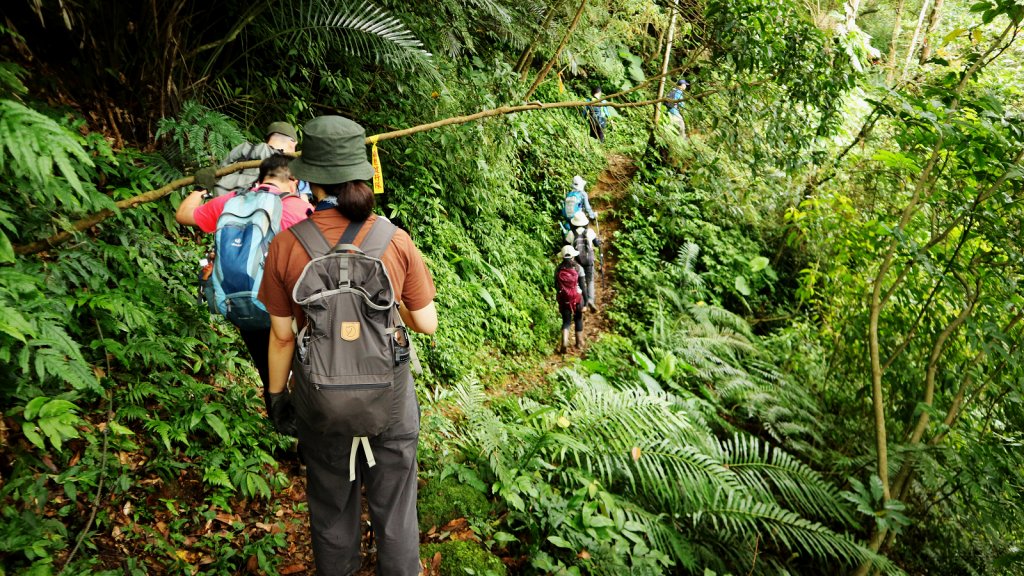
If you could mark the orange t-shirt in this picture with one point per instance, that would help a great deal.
(410, 278)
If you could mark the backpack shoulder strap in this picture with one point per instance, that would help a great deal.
(348, 236)
(377, 240)
(311, 238)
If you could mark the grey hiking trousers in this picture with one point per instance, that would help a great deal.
(334, 500)
(588, 294)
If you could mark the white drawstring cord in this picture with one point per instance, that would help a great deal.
(370, 462)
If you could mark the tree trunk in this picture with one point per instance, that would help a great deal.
(933, 23)
(851, 7)
(523, 64)
(554, 57)
(664, 63)
(913, 40)
(897, 27)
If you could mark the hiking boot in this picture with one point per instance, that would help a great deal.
(592, 306)
(579, 340)
(565, 342)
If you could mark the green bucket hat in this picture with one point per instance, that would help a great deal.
(281, 128)
(333, 151)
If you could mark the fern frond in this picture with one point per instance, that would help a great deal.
(782, 478)
(35, 148)
(361, 30)
(734, 513)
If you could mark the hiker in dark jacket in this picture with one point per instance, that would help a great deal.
(596, 115)
(279, 138)
(569, 295)
(585, 241)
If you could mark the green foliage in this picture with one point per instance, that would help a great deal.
(444, 500)
(52, 417)
(700, 441)
(674, 234)
(587, 471)
(462, 557)
(103, 351)
(198, 136)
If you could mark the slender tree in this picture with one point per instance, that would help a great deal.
(523, 64)
(933, 23)
(668, 56)
(913, 40)
(897, 26)
(554, 57)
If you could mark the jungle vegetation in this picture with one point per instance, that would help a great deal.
(811, 363)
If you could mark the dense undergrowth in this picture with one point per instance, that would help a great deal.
(770, 281)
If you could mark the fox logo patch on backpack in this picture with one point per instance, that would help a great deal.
(567, 287)
(352, 357)
(244, 230)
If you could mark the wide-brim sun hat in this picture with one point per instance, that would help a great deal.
(569, 252)
(579, 219)
(578, 183)
(281, 128)
(333, 151)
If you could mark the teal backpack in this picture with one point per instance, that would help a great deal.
(573, 204)
(244, 230)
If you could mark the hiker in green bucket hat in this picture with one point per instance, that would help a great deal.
(334, 163)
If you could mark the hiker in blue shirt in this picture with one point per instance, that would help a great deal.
(596, 116)
(576, 200)
(675, 109)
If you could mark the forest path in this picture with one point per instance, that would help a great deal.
(604, 194)
(604, 199)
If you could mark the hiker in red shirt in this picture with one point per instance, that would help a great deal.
(570, 282)
(276, 177)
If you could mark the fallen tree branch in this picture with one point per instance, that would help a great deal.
(153, 195)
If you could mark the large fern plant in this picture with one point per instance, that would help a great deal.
(615, 480)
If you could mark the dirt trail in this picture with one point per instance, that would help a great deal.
(604, 198)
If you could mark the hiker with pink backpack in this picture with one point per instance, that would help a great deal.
(570, 282)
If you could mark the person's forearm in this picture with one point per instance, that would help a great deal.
(185, 214)
(279, 360)
(423, 320)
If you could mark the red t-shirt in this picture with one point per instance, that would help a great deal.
(410, 278)
(294, 210)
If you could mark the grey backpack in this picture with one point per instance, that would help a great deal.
(242, 180)
(351, 362)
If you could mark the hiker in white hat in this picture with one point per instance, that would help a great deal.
(585, 241)
(576, 200)
(570, 279)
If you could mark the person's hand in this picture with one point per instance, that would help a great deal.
(206, 177)
(282, 413)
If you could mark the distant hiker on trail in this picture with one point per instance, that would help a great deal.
(351, 359)
(585, 241)
(596, 115)
(570, 280)
(279, 138)
(576, 200)
(675, 109)
(274, 178)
